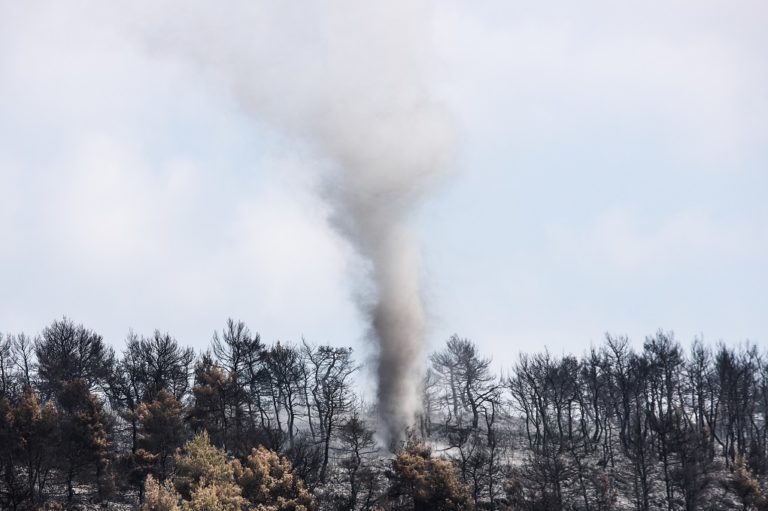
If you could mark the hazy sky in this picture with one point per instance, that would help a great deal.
(611, 174)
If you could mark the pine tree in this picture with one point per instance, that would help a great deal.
(84, 443)
(747, 487)
(421, 483)
(206, 479)
(35, 439)
(161, 431)
(160, 496)
(201, 464)
(267, 481)
(212, 394)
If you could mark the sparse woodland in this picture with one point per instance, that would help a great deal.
(272, 427)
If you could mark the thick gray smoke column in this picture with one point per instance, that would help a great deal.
(348, 77)
(373, 203)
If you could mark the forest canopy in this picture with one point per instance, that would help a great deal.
(281, 426)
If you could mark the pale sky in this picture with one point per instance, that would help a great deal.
(611, 174)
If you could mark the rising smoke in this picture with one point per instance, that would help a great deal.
(349, 78)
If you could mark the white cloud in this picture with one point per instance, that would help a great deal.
(136, 195)
(624, 242)
(532, 73)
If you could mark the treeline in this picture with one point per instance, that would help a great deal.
(250, 425)
(659, 428)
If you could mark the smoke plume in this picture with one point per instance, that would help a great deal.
(349, 78)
